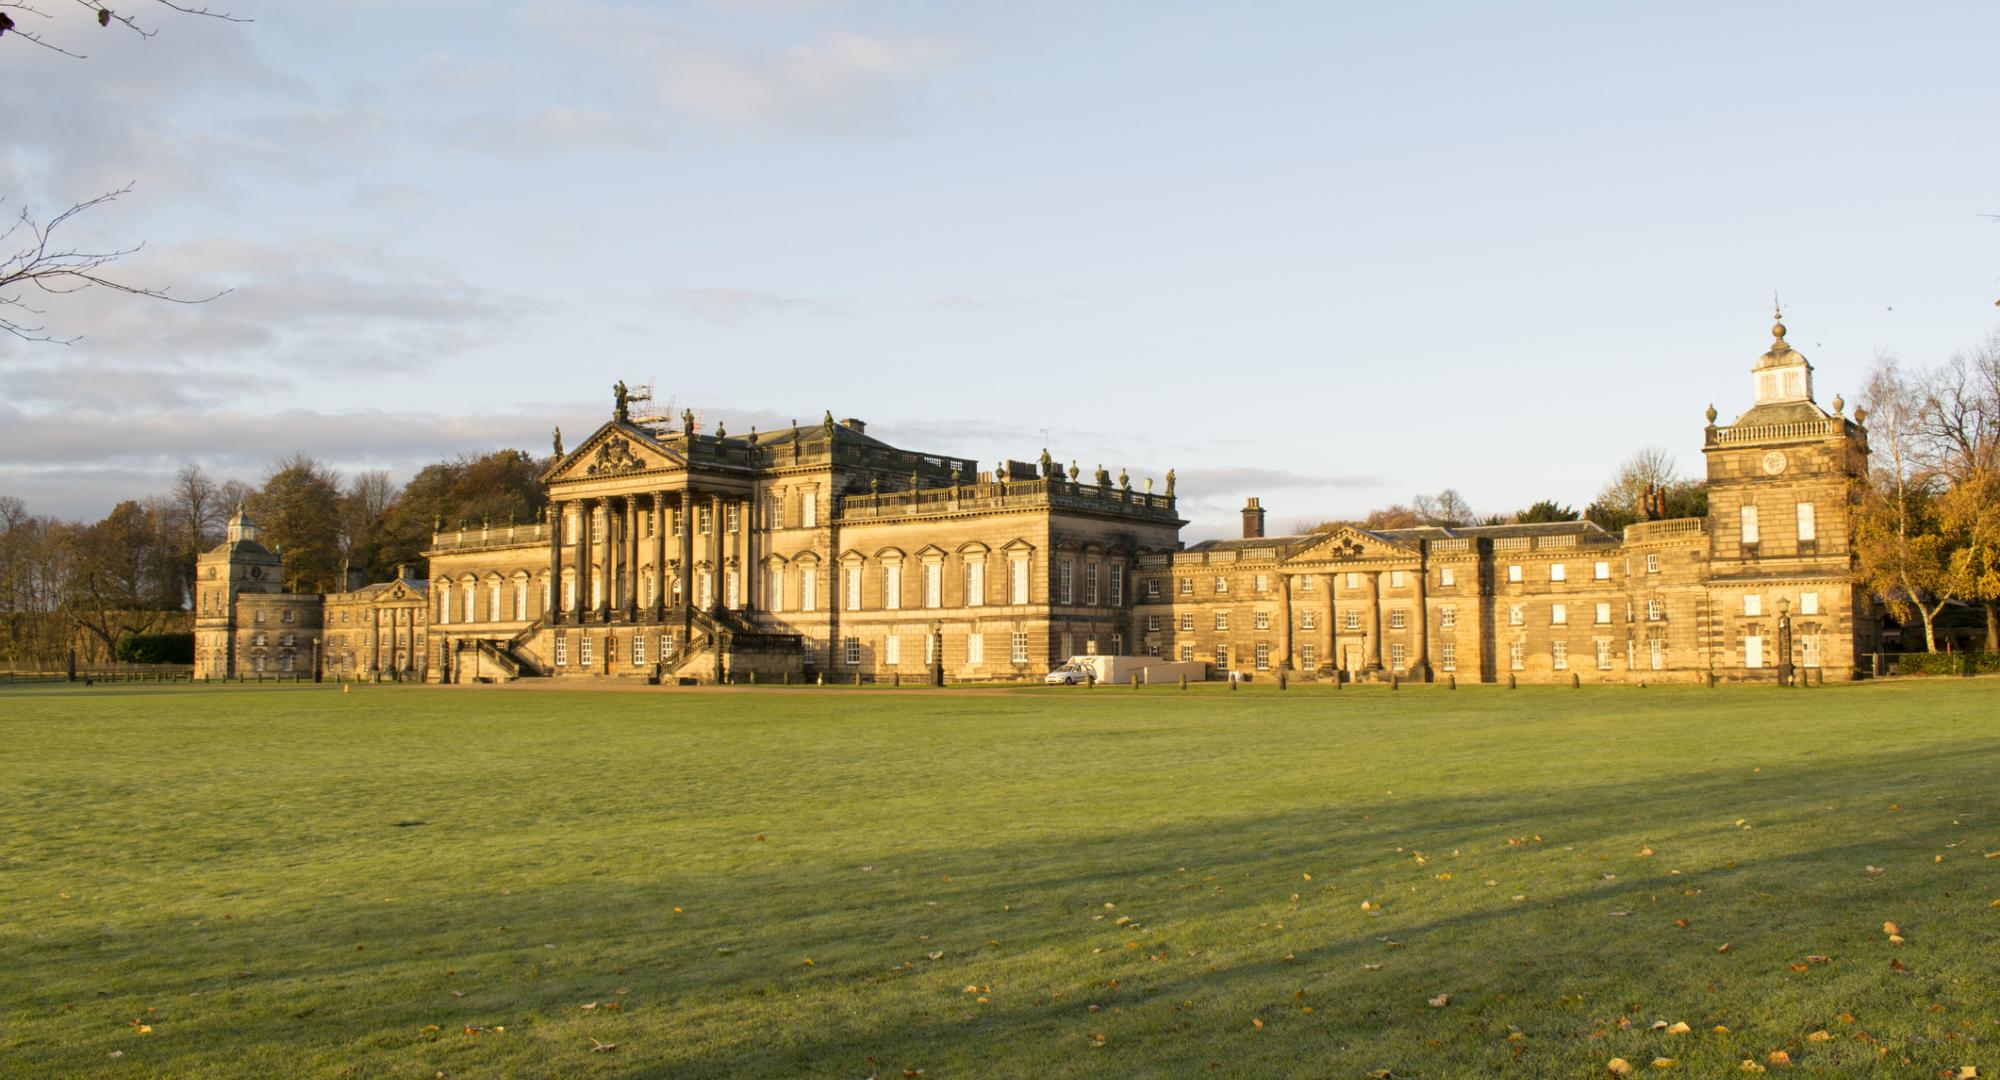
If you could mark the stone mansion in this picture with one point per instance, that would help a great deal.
(669, 554)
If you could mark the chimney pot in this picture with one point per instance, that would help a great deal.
(1253, 519)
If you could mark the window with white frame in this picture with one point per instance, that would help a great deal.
(1396, 619)
(444, 605)
(975, 582)
(1305, 583)
(666, 646)
(1753, 651)
(809, 587)
(852, 587)
(1447, 576)
(583, 649)
(1152, 623)
(1395, 579)
(933, 584)
(1017, 646)
(892, 586)
(1117, 585)
(892, 650)
(1187, 586)
(1514, 572)
(1600, 570)
(1448, 655)
(1808, 603)
(975, 648)
(520, 598)
(1808, 525)
(1222, 620)
(1309, 619)
(1447, 617)
(1261, 620)
(1187, 654)
(493, 600)
(774, 508)
(1809, 650)
(704, 520)
(1753, 604)
(705, 588)
(1263, 583)
(1656, 610)
(1558, 572)
(1152, 587)
(1516, 656)
(809, 509)
(638, 649)
(1090, 583)
(1603, 614)
(468, 596)
(1309, 657)
(1187, 621)
(1748, 517)
(1118, 644)
(1656, 651)
(1351, 620)
(774, 590)
(1558, 614)
(731, 590)
(1653, 563)
(732, 517)
(1353, 581)
(1559, 655)
(1221, 584)
(930, 649)
(1396, 656)
(1065, 584)
(1263, 656)
(1221, 655)
(852, 648)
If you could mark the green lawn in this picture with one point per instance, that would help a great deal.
(298, 881)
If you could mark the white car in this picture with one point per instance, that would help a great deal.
(1066, 676)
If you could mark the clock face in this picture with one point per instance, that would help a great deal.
(258, 571)
(1774, 462)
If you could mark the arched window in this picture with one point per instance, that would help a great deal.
(444, 604)
(493, 599)
(469, 616)
(521, 597)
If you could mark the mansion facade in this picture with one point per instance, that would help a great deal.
(668, 553)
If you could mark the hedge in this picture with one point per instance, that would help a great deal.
(156, 649)
(1961, 663)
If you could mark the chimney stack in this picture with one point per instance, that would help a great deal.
(1253, 520)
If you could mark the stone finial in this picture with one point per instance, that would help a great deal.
(1124, 479)
(1074, 472)
(874, 485)
(1839, 403)
(1000, 472)
(1149, 485)
(720, 431)
(913, 479)
(753, 434)
(1711, 414)
(1860, 415)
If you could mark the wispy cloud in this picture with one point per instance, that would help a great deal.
(726, 306)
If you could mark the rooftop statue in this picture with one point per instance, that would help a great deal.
(620, 398)
(559, 450)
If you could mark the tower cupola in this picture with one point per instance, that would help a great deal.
(1783, 374)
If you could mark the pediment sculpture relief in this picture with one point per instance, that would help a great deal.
(614, 456)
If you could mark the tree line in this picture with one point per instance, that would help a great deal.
(130, 574)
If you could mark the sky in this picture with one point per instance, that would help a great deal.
(1330, 254)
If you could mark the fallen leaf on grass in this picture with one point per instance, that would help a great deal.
(1822, 1035)
(1750, 1066)
(1618, 1067)
(1371, 967)
(1724, 947)
(1679, 1028)
(1873, 869)
(427, 1029)
(1890, 928)
(1256, 1023)
(1440, 1001)
(1645, 852)
(1968, 1072)
(1778, 1058)
(939, 955)
(1663, 1063)
(602, 1047)
(1720, 1029)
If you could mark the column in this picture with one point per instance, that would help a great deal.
(1329, 633)
(753, 571)
(1373, 622)
(1285, 622)
(659, 555)
(1420, 633)
(554, 611)
(608, 599)
(716, 554)
(630, 561)
(581, 571)
(687, 561)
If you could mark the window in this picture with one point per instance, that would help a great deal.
(1656, 610)
(1187, 654)
(705, 589)
(1395, 579)
(1187, 586)
(1017, 645)
(852, 588)
(520, 598)
(1558, 614)
(1090, 584)
(975, 648)
(1117, 585)
(1808, 527)
(1152, 587)
(774, 590)
(1657, 652)
(1187, 622)
(809, 587)
(732, 518)
(1261, 620)
(1753, 604)
(1514, 572)
(1305, 582)
(1222, 656)
(1263, 583)
(1351, 620)
(1263, 656)
(731, 590)
(1600, 571)
(975, 583)
(1447, 617)
(1308, 657)
(1064, 585)
(285, 663)
(1152, 623)
(1396, 619)
(1559, 655)
(809, 510)
(1516, 660)
(1809, 650)
(809, 652)
(287, 616)
(1222, 620)
(1448, 655)
(666, 647)
(930, 649)
(596, 532)
(1749, 519)
(1753, 651)
(777, 512)
(704, 520)
(1558, 572)
(892, 586)
(1653, 563)
(1353, 581)
(1118, 644)
(892, 650)
(1396, 656)
(1808, 603)
(1604, 654)
(1603, 614)
(638, 649)
(678, 514)
(933, 585)
(851, 648)
(444, 606)
(583, 650)
(1308, 619)
(288, 640)
(1221, 584)
(1447, 576)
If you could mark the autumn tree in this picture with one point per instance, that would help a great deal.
(1901, 552)
(1652, 470)
(298, 515)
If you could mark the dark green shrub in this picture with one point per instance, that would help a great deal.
(156, 649)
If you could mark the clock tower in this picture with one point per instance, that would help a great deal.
(1781, 478)
(239, 565)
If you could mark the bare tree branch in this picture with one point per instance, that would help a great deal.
(39, 262)
(102, 14)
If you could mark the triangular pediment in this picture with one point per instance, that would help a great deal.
(613, 450)
(1349, 543)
